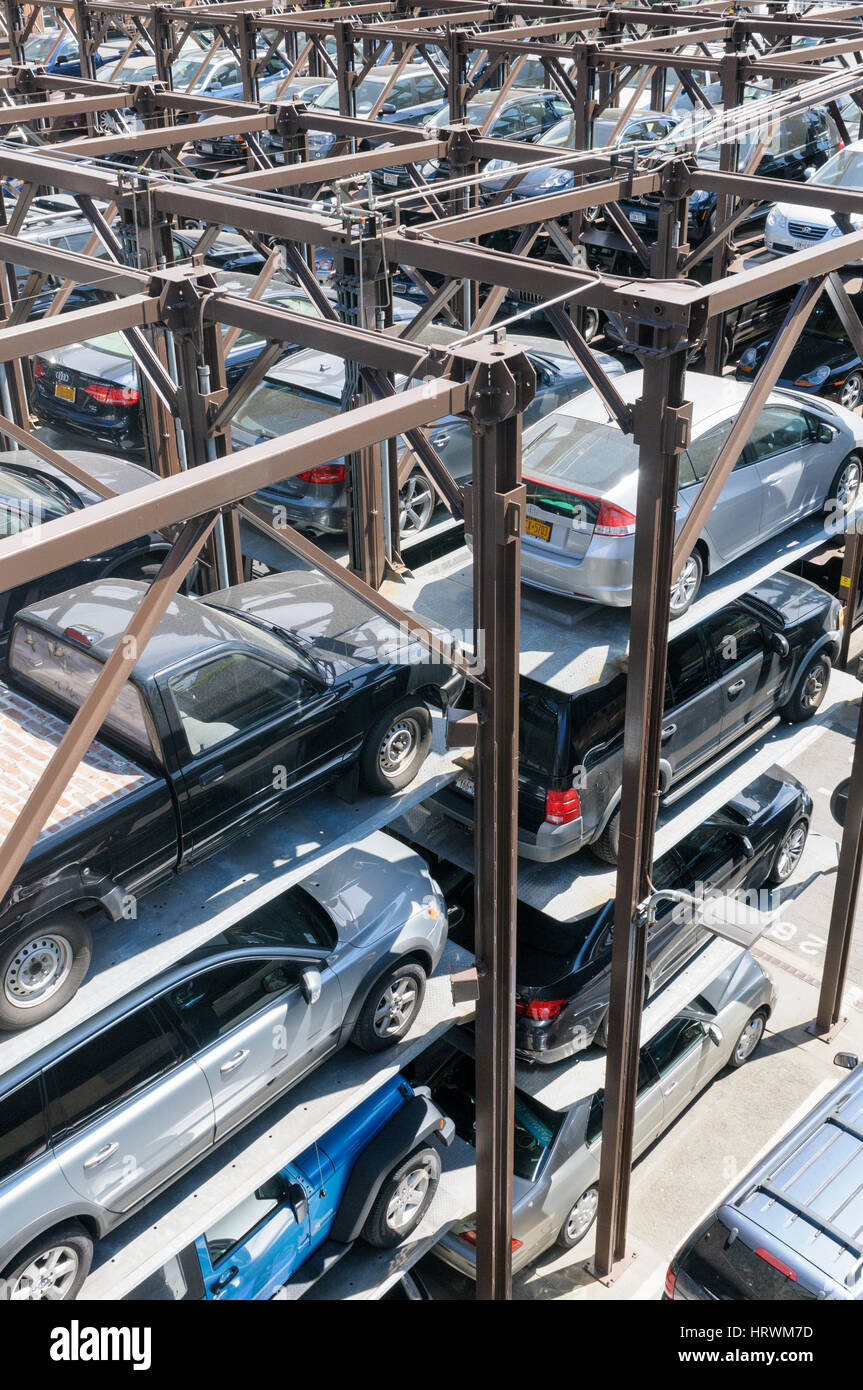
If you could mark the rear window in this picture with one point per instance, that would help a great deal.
(277, 408)
(22, 1127)
(729, 1269)
(540, 731)
(583, 453)
(597, 719)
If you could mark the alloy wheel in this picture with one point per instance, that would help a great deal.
(416, 504)
(790, 852)
(582, 1214)
(49, 1276)
(686, 585)
(814, 687)
(395, 1007)
(408, 1198)
(848, 485)
(749, 1038)
(851, 391)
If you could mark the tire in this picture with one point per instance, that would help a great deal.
(41, 969)
(788, 852)
(405, 1197)
(390, 1007)
(416, 504)
(607, 847)
(684, 592)
(809, 691)
(65, 1253)
(579, 1219)
(591, 324)
(851, 391)
(845, 488)
(750, 1036)
(396, 746)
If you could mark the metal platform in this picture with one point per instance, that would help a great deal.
(189, 909)
(165, 1226)
(568, 644)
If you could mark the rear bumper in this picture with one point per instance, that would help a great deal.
(565, 1036)
(603, 574)
(544, 846)
(306, 511)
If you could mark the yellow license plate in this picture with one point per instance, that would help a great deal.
(540, 529)
(66, 393)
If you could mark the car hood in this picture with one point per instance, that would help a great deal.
(372, 888)
(117, 474)
(91, 360)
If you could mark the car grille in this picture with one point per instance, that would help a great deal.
(804, 232)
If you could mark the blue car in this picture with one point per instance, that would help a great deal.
(60, 55)
(373, 1175)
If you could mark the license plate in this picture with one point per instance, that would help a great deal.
(390, 180)
(465, 784)
(208, 146)
(66, 393)
(639, 217)
(540, 529)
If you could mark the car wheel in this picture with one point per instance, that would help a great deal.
(396, 747)
(41, 969)
(809, 692)
(579, 1220)
(416, 504)
(403, 1200)
(688, 582)
(607, 847)
(846, 485)
(749, 1039)
(789, 852)
(851, 391)
(591, 325)
(390, 1008)
(52, 1268)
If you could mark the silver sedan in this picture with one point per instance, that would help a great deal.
(803, 456)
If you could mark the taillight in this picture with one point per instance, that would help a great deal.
(539, 1010)
(327, 473)
(614, 521)
(778, 1264)
(468, 1235)
(38, 369)
(670, 1281)
(111, 395)
(562, 807)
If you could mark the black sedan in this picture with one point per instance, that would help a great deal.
(563, 969)
(822, 363)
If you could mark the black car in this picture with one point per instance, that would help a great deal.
(563, 968)
(769, 653)
(823, 362)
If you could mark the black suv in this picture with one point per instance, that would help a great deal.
(768, 653)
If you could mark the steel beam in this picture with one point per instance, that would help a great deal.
(845, 897)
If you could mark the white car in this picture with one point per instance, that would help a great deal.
(791, 227)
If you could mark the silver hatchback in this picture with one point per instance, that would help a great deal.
(803, 456)
(96, 1124)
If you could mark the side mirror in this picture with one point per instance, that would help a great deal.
(388, 109)
(298, 1202)
(714, 1033)
(747, 846)
(847, 1060)
(779, 643)
(311, 985)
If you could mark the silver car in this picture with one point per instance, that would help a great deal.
(97, 1123)
(803, 456)
(557, 1149)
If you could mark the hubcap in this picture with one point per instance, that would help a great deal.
(395, 1007)
(851, 392)
(398, 746)
(682, 591)
(749, 1039)
(407, 1199)
(813, 690)
(49, 1276)
(789, 854)
(37, 971)
(582, 1214)
(848, 485)
(416, 504)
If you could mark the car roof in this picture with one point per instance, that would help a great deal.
(710, 396)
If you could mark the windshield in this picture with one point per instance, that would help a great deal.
(844, 170)
(825, 321)
(27, 499)
(38, 50)
(277, 408)
(297, 304)
(187, 69)
(582, 452)
(367, 94)
(535, 1125)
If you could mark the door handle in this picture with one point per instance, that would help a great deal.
(669, 730)
(233, 1062)
(736, 688)
(224, 1279)
(669, 1089)
(211, 776)
(101, 1155)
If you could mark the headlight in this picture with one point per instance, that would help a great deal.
(427, 169)
(775, 217)
(816, 378)
(699, 198)
(558, 178)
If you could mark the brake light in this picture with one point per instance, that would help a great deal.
(468, 1235)
(614, 521)
(562, 807)
(326, 473)
(111, 395)
(778, 1264)
(539, 1010)
(38, 369)
(670, 1281)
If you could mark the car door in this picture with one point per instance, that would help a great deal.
(748, 671)
(249, 735)
(785, 458)
(734, 525)
(251, 1030)
(648, 1109)
(676, 1053)
(690, 726)
(129, 1109)
(256, 1246)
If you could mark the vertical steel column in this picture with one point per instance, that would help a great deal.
(661, 429)
(732, 95)
(502, 384)
(844, 898)
(360, 288)
(849, 590)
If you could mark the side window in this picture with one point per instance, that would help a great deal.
(274, 67)
(674, 1042)
(686, 671)
(22, 1127)
(106, 1071)
(228, 696)
(779, 427)
(239, 1224)
(734, 635)
(428, 89)
(646, 1078)
(703, 451)
(401, 95)
(533, 114)
(217, 1000)
(507, 122)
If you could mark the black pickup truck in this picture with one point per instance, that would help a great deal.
(240, 704)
